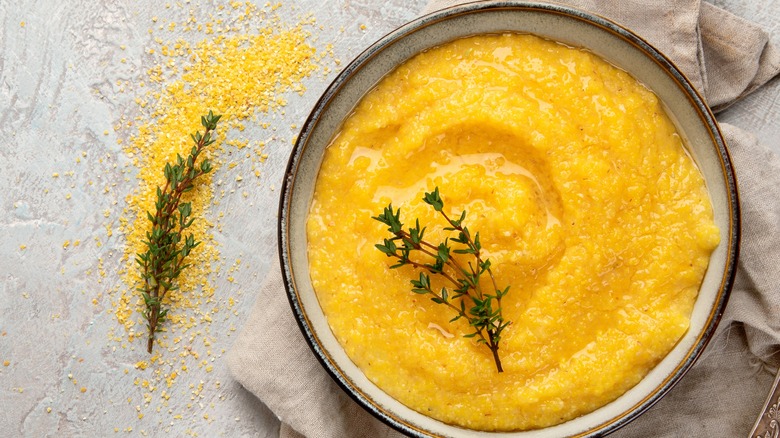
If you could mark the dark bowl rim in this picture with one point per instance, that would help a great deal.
(704, 112)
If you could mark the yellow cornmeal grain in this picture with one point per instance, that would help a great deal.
(215, 77)
(586, 203)
(239, 70)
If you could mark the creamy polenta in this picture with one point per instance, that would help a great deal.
(587, 205)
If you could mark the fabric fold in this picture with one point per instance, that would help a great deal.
(737, 57)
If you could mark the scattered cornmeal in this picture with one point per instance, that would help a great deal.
(586, 203)
(244, 61)
(210, 75)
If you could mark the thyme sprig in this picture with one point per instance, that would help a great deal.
(484, 313)
(166, 245)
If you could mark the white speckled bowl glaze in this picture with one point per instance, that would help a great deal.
(619, 46)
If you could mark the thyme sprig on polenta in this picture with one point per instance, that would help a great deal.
(465, 296)
(166, 245)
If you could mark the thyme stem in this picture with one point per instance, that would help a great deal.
(166, 245)
(484, 314)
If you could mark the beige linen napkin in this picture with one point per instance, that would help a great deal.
(726, 58)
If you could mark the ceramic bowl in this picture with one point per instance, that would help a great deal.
(617, 45)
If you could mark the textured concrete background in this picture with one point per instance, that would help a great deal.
(60, 63)
(59, 70)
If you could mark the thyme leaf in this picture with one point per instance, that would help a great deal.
(166, 245)
(465, 295)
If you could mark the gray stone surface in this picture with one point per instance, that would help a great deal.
(58, 95)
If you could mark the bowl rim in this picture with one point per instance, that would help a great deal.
(694, 97)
